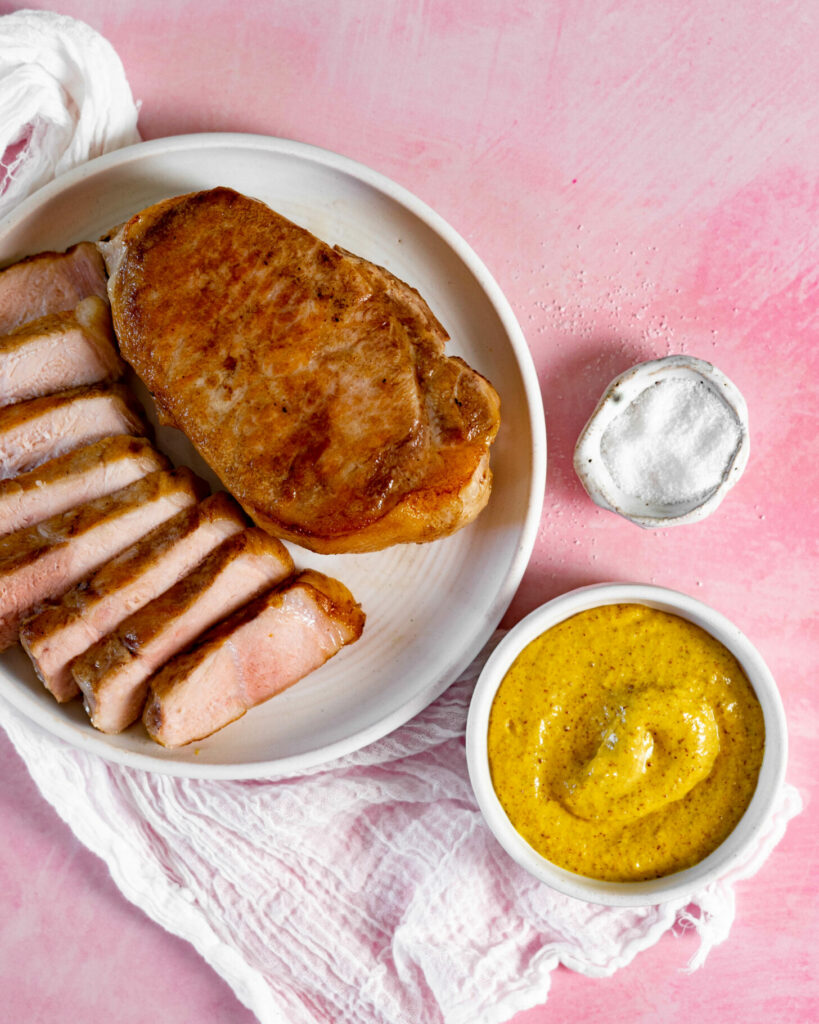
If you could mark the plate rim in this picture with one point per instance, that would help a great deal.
(293, 764)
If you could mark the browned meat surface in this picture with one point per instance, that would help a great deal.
(113, 674)
(62, 629)
(43, 561)
(49, 283)
(33, 432)
(59, 351)
(262, 649)
(74, 478)
(314, 383)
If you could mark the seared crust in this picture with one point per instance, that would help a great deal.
(336, 601)
(313, 382)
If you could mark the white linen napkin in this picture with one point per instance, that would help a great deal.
(367, 891)
(64, 98)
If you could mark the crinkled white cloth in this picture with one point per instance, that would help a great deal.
(365, 892)
(64, 98)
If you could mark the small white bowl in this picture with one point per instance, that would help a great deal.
(591, 465)
(682, 884)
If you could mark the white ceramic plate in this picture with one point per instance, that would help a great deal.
(430, 608)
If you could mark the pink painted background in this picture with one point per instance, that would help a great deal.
(642, 178)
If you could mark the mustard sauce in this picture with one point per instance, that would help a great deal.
(625, 743)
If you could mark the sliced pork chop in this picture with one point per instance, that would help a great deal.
(113, 674)
(315, 384)
(259, 651)
(74, 478)
(59, 351)
(45, 560)
(49, 282)
(33, 432)
(61, 630)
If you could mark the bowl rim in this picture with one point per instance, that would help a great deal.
(680, 885)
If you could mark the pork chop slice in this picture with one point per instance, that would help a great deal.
(314, 383)
(259, 651)
(62, 629)
(49, 282)
(59, 351)
(113, 673)
(40, 429)
(75, 477)
(45, 560)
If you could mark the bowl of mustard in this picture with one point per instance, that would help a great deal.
(626, 744)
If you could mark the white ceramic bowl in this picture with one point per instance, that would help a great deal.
(681, 884)
(590, 463)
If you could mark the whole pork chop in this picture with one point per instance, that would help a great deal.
(313, 383)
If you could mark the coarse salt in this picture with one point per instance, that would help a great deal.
(672, 444)
(665, 443)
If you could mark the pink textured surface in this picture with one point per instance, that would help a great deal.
(641, 180)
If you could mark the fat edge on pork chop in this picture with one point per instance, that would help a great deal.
(314, 383)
